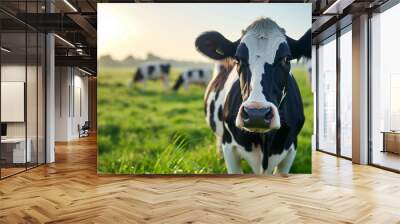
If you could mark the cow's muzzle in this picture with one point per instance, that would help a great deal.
(257, 118)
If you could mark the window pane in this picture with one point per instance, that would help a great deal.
(345, 94)
(327, 97)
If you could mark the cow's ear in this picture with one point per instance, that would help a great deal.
(215, 45)
(302, 47)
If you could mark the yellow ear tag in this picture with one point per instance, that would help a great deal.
(219, 51)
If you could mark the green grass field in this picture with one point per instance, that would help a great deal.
(156, 131)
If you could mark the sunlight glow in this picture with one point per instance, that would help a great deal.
(169, 30)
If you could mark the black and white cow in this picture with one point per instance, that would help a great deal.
(193, 76)
(254, 106)
(152, 71)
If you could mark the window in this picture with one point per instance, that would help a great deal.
(327, 96)
(22, 77)
(385, 89)
(346, 93)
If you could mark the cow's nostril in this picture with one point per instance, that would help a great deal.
(268, 114)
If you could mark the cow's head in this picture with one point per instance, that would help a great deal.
(138, 77)
(263, 55)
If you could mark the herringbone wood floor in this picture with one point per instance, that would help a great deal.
(70, 191)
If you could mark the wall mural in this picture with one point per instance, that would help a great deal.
(204, 89)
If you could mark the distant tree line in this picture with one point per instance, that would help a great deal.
(131, 61)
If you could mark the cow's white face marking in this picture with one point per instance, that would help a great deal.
(262, 48)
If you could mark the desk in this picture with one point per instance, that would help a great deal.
(13, 150)
(391, 141)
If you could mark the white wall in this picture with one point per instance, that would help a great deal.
(15, 73)
(12, 73)
(71, 94)
(62, 81)
(80, 96)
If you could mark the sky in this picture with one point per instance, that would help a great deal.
(169, 30)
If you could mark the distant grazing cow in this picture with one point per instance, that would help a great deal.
(193, 76)
(152, 71)
(254, 105)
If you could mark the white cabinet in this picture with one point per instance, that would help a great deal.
(18, 149)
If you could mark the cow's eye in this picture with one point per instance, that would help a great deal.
(239, 65)
(236, 60)
(285, 61)
(238, 68)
